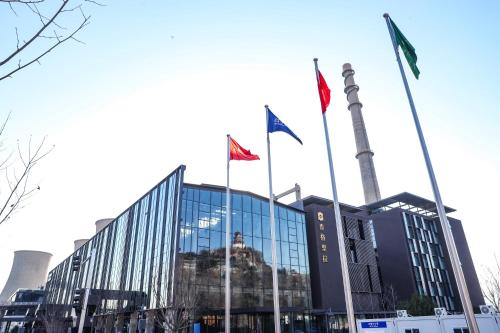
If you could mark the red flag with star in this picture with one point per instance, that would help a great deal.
(237, 152)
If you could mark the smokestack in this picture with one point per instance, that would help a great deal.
(79, 243)
(101, 224)
(364, 153)
(29, 270)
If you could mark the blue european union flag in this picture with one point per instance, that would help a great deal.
(276, 125)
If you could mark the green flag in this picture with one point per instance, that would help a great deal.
(407, 48)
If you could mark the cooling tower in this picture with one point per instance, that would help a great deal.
(79, 243)
(101, 224)
(29, 270)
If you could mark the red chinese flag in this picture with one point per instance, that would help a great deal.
(324, 92)
(237, 152)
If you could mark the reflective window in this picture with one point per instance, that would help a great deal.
(202, 246)
(428, 259)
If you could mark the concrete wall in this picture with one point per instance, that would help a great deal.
(29, 270)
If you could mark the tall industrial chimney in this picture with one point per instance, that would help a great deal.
(364, 153)
(29, 270)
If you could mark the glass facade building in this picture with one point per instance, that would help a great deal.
(428, 260)
(174, 237)
(135, 247)
(202, 253)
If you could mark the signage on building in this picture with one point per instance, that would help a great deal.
(322, 236)
(374, 324)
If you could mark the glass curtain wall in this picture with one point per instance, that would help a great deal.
(133, 255)
(176, 233)
(202, 251)
(429, 268)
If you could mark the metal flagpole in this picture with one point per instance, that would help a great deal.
(276, 300)
(227, 316)
(338, 223)
(445, 225)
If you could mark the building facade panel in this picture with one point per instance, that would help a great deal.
(428, 260)
(393, 257)
(468, 268)
(327, 289)
(412, 253)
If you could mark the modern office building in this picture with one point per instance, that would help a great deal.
(170, 242)
(169, 246)
(412, 255)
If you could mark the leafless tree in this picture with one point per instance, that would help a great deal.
(491, 284)
(52, 318)
(176, 313)
(389, 298)
(17, 166)
(49, 24)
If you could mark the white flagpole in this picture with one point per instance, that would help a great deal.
(338, 222)
(227, 314)
(445, 225)
(276, 299)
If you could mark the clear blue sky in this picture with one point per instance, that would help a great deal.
(160, 83)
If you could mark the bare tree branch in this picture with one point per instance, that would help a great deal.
(491, 284)
(42, 17)
(22, 1)
(389, 298)
(46, 23)
(35, 36)
(59, 42)
(12, 9)
(51, 316)
(95, 3)
(4, 161)
(19, 186)
(176, 312)
(2, 128)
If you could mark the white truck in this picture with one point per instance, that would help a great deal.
(440, 323)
